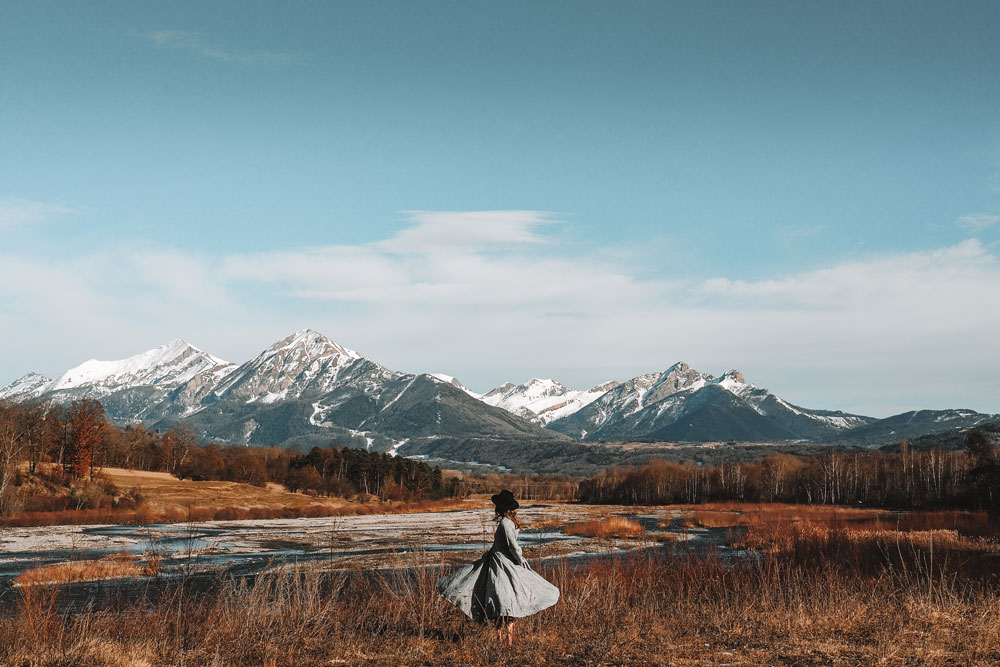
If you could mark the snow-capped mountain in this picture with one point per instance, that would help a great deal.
(302, 391)
(543, 401)
(27, 386)
(169, 365)
(915, 423)
(684, 404)
(306, 390)
(130, 388)
(628, 398)
(305, 361)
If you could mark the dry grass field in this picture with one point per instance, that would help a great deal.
(164, 492)
(923, 591)
(167, 499)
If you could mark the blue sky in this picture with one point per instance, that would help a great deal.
(809, 192)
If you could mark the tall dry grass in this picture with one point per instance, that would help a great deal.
(114, 566)
(615, 526)
(821, 602)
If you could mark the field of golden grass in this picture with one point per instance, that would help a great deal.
(164, 492)
(167, 499)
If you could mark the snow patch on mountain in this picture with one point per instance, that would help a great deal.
(454, 382)
(397, 396)
(542, 400)
(394, 450)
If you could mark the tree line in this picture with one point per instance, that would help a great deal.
(77, 437)
(925, 479)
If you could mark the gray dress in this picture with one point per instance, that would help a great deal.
(497, 585)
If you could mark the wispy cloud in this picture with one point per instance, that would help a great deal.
(444, 258)
(894, 282)
(15, 211)
(977, 222)
(443, 231)
(196, 44)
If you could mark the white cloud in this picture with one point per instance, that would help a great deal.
(195, 43)
(977, 222)
(444, 231)
(442, 258)
(891, 281)
(15, 211)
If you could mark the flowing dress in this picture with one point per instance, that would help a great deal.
(500, 583)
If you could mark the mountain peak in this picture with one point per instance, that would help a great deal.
(506, 387)
(732, 377)
(547, 385)
(170, 364)
(303, 361)
(541, 400)
(29, 385)
(176, 343)
(314, 343)
(454, 382)
(736, 376)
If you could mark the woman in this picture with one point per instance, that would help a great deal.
(500, 586)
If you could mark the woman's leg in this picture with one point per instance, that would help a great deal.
(505, 630)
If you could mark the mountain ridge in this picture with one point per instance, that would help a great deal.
(306, 389)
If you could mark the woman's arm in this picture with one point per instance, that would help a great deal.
(515, 548)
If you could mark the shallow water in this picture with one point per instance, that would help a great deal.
(210, 551)
(248, 546)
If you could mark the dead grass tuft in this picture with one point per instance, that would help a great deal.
(712, 519)
(615, 526)
(115, 566)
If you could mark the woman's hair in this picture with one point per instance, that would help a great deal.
(510, 514)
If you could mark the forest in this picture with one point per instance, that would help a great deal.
(967, 479)
(71, 441)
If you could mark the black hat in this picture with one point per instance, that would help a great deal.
(505, 500)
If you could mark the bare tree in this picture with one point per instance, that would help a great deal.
(13, 446)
